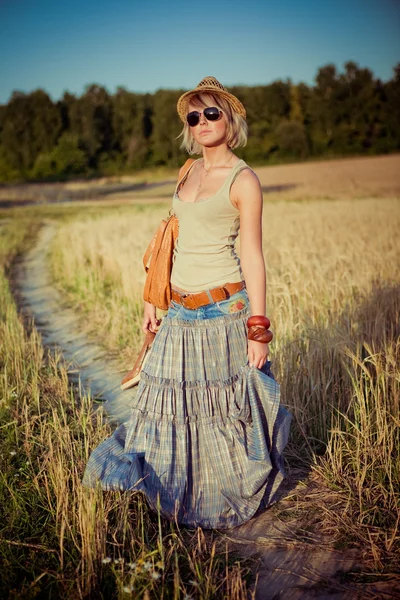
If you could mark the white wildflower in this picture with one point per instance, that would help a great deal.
(147, 566)
(155, 575)
(118, 561)
(132, 565)
(13, 453)
(128, 589)
(106, 560)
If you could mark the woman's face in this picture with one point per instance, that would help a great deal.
(208, 133)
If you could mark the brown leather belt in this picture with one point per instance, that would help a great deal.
(198, 299)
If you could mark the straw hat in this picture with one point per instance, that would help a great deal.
(213, 86)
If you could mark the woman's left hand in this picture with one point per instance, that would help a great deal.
(257, 353)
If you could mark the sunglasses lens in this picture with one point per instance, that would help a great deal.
(193, 118)
(212, 113)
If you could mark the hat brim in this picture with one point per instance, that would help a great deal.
(183, 102)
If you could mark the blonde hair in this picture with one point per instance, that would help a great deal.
(236, 134)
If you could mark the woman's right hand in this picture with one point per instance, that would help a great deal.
(150, 321)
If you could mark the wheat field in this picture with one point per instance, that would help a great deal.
(57, 538)
(333, 271)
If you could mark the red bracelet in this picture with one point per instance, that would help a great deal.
(259, 321)
(259, 334)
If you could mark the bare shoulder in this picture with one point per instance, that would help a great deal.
(247, 179)
(246, 187)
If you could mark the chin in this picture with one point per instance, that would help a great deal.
(208, 143)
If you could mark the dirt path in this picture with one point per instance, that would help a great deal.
(293, 564)
(61, 330)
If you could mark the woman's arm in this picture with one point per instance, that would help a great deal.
(246, 195)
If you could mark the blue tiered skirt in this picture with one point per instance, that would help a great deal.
(207, 431)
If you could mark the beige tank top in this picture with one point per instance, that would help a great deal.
(204, 255)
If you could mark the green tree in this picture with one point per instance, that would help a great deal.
(166, 127)
(31, 125)
(131, 123)
(323, 107)
(343, 113)
(292, 140)
(90, 119)
(388, 138)
(296, 110)
(266, 106)
(357, 109)
(64, 160)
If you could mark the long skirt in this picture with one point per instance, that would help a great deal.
(205, 438)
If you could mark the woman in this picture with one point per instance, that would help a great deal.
(207, 431)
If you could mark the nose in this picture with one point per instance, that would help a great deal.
(202, 119)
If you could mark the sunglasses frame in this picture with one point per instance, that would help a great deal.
(204, 113)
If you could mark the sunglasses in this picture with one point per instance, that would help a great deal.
(211, 113)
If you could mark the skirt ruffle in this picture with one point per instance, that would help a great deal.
(206, 434)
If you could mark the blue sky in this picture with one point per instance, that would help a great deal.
(149, 44)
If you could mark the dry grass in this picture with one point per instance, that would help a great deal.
(334, 281)
(333, 298)
(58, 539)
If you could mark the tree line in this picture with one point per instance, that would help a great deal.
(344, 113)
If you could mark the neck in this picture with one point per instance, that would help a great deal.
(216, 156)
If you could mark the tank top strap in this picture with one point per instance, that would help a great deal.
(241, 166)
(238, 168)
